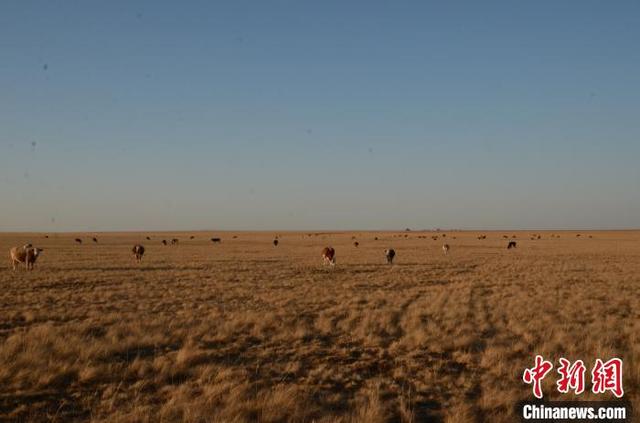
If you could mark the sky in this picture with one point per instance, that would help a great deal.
(296, 115)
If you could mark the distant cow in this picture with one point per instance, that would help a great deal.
(275, 242)
(329, 256)
(78, 240)
(148, 238)
(164, 242)
(94, 239)
(512, 244)
(356, 243)
(175, 241)
(390, 255)
(191, 237)
(216, 240)
(26, 254)
(138, 252)
(445, 249)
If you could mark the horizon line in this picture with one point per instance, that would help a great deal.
(325, 231)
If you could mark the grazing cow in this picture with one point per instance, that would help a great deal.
(577, 235)
(78, 240)
(138, 252)
(191, 237)
(216, 240)
(445, 248)
(505, 237)
(26, 254)
(46, 236)
(356, 243)
(148, 238)
(275, 242)
(390, 255)
(175, 241)
(512, 244)
(329, 256)
(235, 236)
(375, 239)
(94, 239)
(164, 242)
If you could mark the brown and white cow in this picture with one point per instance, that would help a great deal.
(138, 252)
(445, 249)
(329, 256)
(26, 254)
(390, 255)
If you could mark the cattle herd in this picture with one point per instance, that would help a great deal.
(28, 254)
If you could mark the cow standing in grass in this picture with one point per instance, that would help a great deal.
(26, 254)
(329, 256)
(138, 252)
(445, 249)
(390, 254)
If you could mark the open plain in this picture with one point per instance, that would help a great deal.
(243, 330)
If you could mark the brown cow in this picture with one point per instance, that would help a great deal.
(329, 256)
(138, 252)
(512, 244)
(26, 254)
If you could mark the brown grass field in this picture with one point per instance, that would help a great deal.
(245, 331)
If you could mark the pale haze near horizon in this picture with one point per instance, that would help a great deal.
(301, 115)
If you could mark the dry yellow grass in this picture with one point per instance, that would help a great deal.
(245, 331)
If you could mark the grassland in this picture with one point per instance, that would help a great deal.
(245, 331)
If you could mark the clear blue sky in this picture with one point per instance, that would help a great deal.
(325, 115)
